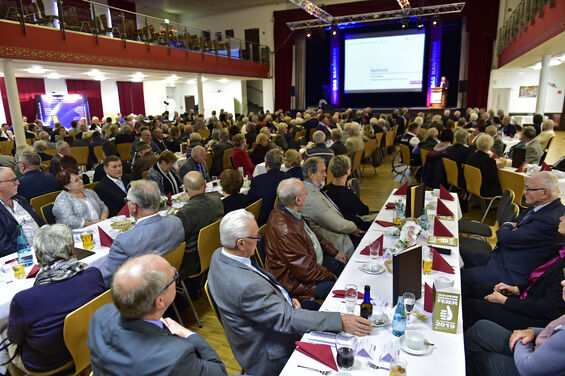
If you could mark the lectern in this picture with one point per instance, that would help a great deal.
(438, 97)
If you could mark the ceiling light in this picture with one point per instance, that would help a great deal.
(36, 69)
(53, 76)
(223, 80)
(93, 73)
(100, 78)
(172, 77)
(166, 20)
(435, 19)
(138, 76)
(554, 62)
(1, 74)
(191, 82)
(404, 22)
(204, 79)
(420, 24)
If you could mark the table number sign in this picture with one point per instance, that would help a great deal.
(446, 312)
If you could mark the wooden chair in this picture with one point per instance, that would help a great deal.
(124, 150)
(98, 153)
(175, 259)
(390, 137)
(299, 135)
(515, 182)
(357, 162)
(47, 214)
(423, 155)
(474, 180)
(329, 176)
(370, 147)
(91, 185)
(452, 172)
(260, 249)
(212, 302)
(38, 202)
(6, 147)
(379, 138)
(80, 153)
(75, 330)
(51, 152)
(255, 208)
(209, 156)
(205, 133)
(227, 159)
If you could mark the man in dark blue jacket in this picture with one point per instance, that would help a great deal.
(34, 182)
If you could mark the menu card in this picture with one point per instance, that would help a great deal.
(407, 272)
(415, 201)
(446, 311)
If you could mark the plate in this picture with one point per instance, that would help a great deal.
(385, 322)
(122, 225)
(423, 351)
(378, 270)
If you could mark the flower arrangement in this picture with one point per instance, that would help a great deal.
(409, 233)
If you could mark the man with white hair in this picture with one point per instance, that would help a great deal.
(546, 134)
(320, 149)
(527, 243)
(354, 142)
(260, 319)
(196, 162)
(280, 138)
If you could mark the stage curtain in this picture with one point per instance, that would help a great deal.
(93, 95)
(28, 88)
(131, 97)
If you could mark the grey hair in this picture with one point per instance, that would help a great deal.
(319, 137)
(136, 302)
(288, 190)
(60, 145)
(30, 158)
(40, 146)
(281, 126)
(223, 134)
(548, 123)
(461, 136)
(473, 116)
(355, 127)
(484, 142)
(53, 243)
(529, 132)
(195, 137)
(549, 181)
(491, 130)
(336, 134)
(339, 165)
(126, 129)
(274, 159)
(233, 226)
(145, 194)
(311, 165)
(418, 120)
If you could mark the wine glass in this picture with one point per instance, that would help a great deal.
(375, 250)
(409, 300)
(350, 295)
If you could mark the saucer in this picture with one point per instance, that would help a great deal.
(423, 351)
(385, 322)
(378, 270)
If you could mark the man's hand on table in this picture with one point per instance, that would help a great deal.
(505, 289)
(356, 325)
(341, 257)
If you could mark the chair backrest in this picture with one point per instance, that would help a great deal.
(379, 139)
(357, 160)
(255, 208)
(51, 152)
(227, 159)
(299, 134)
(91, 185)
(473, 179)
(75, 330)
(513, 181)
(451, 171)
(353, 184)
(38, 202)
(389, 138)
(205, 133)
(505, 210)
(47, 214)
(124, 150)
(370, 147)
(6, 147)
(260, 249)
(80, 153)
(212, 302)
(175, 256)
(423, 155)
(405, 152)
(312, 130)
(208, 242)
(98, 153)
(209, 160)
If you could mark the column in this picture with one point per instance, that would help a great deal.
(200, 93)
(14, 102)
(542, 86)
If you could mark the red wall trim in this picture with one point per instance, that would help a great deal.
(46, 44)
(550, 25)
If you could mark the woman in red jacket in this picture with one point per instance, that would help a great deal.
(240, 158)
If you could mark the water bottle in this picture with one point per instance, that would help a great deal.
(424, 219)
(399, 212)
(399, 320)
(25, 255)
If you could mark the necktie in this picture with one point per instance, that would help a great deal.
(167, 330)
(526, 216)
(200, 169)
(274, 281)
(121, 185)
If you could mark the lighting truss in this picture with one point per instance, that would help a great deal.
(313, 10)
(398, 14)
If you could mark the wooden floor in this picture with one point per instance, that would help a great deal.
(376, 186)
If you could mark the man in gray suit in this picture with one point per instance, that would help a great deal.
(322, 214)
(533, 147)
(196, 162)
(260, 319)
(150, 233)
(131, 337)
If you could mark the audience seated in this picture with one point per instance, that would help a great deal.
(260, 319)
(507, 128)
(131, 336)
(63, 149)
(280, 138)
(108, 149)
(33, 181)
(320, 149)
(231, 182)
(260, 149)
(37, 314)
(156, 233)
(164, 174)
(546, 134)
(459, 152)
(354, 142)
(218, 152)
(196, 162)
(40, 148)
(431, 140)
(240, 158)
(337, 146)
(145, 159)
(534, 152)
(480, 159)
(411, 140)
(292, 161)
(112, 189)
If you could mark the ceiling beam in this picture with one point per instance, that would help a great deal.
(313, 10)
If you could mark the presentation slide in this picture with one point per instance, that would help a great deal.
(384, 62)
(52, 108)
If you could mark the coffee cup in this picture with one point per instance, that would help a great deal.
(414, 339)
(436, 192)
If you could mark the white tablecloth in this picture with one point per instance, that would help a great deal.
(509, 142)
(261, 169)
(447, 356)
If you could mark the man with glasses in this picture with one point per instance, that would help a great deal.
(527, 243)
(152, 232)
(14, 210)
(132, 337)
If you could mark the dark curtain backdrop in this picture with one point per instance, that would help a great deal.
(93, 95)
(115, 14)
(131, 97)
(27, 89)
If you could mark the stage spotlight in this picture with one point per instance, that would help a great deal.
(404, 22)
(420, 24)
(334, 30)
(308, 34)
(435, 20)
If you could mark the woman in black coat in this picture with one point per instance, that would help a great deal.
(490, 185)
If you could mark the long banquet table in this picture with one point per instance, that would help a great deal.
(448, 350)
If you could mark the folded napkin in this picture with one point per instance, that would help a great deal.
(521, 168)
(385, 223)
(443, 210)
(390, 206)
(444, 193)
(33, 271)
(545, 167)
(429, 297)
(321, 353)
(105, 239)
(169, 200)
(124, 211)
(440, 229)
(341, 294)
(402, 190)
(495, 156)
(440, 265)
(367, 251)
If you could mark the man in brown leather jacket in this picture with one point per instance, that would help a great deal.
(305, 263)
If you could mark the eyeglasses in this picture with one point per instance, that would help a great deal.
(534, 189)
(14, 180)
(258, 237)
(170, 283)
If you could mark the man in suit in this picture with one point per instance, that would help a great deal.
(153, 232)
(320, 149)
(196, 162)
(309, 123)
(218, 152)
(532, 145)
(144, 136)
(265, 185)
(260, 319)
(338, 147)
(322, 213)
(63, 149)
(498, 146)
(130, 335)
(112, 189)
(459, 152)
(444, 83)
(546, 134)
(108, 149)
(526, 244)
(33, 181)
(157, 144)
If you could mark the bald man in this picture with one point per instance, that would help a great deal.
(196, 162)
(131, 337)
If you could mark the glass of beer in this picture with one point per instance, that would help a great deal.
(19, 271)
(87, 240)
(427, 260)
(346, 347)
(398, 367)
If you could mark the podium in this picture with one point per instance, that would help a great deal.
(438, 97)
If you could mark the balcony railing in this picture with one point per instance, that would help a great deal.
(103, 20)
(518, 21)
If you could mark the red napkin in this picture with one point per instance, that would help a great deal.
(495, 156)
(384, 223)
(124, 211)
(341, 294)
(440, 265)
(321, 353)
(443, 210)
(390, 206)
(366, 251)
(521, 168)
(105, 239)
(33, 271)
(440, 230)
(169, 200)
(444, 194)
(429, 297)
(402, 190)
(545, 167)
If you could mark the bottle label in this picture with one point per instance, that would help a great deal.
(25, 257)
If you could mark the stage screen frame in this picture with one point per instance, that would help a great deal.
(62, 108)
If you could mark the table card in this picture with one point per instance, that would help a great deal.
(446, 310)
(366, 348)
